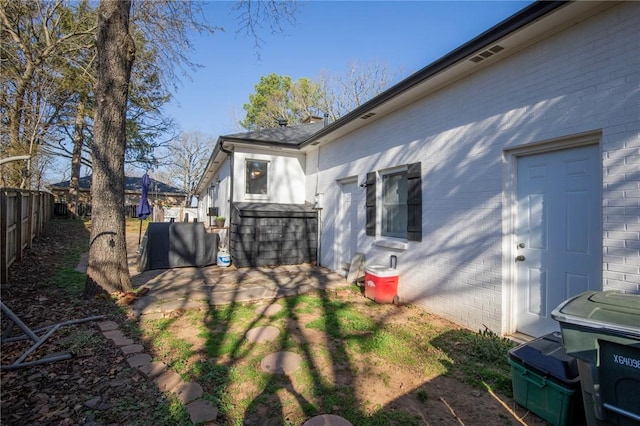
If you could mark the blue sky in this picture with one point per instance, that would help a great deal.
(327, 36)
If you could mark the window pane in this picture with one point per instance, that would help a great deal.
(256, 177)
(394, 205)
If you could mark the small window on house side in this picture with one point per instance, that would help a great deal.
(400, 211)
(394, 205)
(256, 177)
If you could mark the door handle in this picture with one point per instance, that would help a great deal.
(520, 258)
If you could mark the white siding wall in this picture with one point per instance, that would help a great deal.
(286, 177)
(584, 79)
(216, 194)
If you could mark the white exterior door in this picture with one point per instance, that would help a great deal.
(347, 241)
(558, 233)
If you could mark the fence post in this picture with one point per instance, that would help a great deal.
(4, 253)
(30, 220)
(19, 225)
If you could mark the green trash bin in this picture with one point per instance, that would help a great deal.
(602, 330)
(545, 380)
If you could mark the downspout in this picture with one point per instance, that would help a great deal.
(231, 164)
(319, 205)
(231, 167)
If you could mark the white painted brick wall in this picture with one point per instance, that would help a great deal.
(584, 79)
(286, 177)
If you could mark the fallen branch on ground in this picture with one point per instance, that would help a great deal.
(452, 412)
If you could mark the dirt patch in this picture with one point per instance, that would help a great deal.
(96, 386)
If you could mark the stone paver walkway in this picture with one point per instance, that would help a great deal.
(285, 363)
(177, 289)
(327, 420)
(189, 393)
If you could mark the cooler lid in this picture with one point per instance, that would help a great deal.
(381, 271)
(610, 311)
(547, 357)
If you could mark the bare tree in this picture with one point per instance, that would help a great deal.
(278, 97)
(254, 15)
(187, 160)
(107, 268)
(344, 92)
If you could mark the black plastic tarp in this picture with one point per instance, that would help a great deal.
(177, 244)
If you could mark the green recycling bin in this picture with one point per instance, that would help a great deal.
(601, 329)
(545, 380)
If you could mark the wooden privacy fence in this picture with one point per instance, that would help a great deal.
(62, 210)
(84, 210)
(23, 215)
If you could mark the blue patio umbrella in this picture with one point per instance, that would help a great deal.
(144, 210)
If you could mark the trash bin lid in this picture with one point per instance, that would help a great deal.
(546, 356)
(381, 271)
(609, 311)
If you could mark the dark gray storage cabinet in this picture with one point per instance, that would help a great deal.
(268, 234)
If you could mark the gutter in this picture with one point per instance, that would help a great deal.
(523, 18)
(231, 167)
(254, 142)
(212, 158)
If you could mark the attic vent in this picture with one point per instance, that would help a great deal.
(368, 115)
(487, 53)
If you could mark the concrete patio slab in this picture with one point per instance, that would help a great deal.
(191, 287)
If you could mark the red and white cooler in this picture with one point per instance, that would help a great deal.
(381, 284)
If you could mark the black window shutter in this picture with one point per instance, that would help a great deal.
(414, 202)
(371, 204)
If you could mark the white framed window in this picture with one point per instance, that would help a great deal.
(397, 204)
(257, 177)
(394, 204)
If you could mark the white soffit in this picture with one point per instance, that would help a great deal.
(558, 20)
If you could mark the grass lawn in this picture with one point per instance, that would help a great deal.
(371, 364)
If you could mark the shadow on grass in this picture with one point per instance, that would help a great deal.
(458, 375)
(479, 359)
(465, 374)
(323, 384)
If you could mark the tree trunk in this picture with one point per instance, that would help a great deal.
(76, 157)
(107, 267)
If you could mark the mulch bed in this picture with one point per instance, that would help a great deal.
(95, 386)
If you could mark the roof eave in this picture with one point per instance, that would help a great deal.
(259, 142)
(519, 20)
(210, 168)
